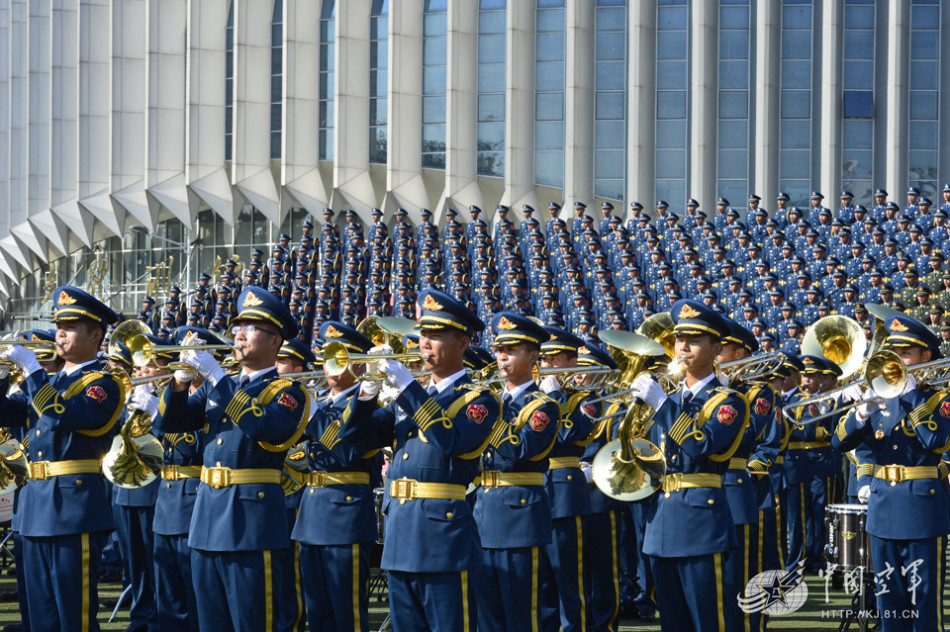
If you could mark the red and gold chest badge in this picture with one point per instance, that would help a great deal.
(812, 410)
(286, 399)
(476, 412)
(727, 415)
(761, 406)
(538, 421)
(590, 409)
(945, 409)
(97, 393)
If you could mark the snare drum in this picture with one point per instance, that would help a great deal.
(378, 501)
(848, 545)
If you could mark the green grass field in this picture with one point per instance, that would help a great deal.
(816, 614)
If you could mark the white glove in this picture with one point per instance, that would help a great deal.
(370, 389)
(184, 375)
(645, 388)
(4, 371)
(396, 373)
(22, 357)
(852, 393)
(870, 404)
(864, 493)
(550, 385)
(143, 399)
(381, 350)
(588, 471)
(204, 364)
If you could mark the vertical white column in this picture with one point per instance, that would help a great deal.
(95, 43)
(40, 83)
(703, 103)
(301, 55)
(898, 84)
(579, 102)
(461, 103)
(641, 101)
(765, 141)
(519, 106)
(6, 68)
(64, 131)
(19, 110)
(832, 22)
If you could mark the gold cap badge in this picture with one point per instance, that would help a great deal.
(252, 300)
(432, 305)
(689, 312)
(897, 325)
(66, 299)
(333, 332)
(506, 324)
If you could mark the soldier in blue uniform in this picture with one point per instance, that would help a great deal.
(698, 429)
(512, 511)
(563, 604)
(250, 422)
(437, 433)
(64, 509)
(908, 507)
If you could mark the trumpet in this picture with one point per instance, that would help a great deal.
(337, 360)
(143, 351)
(138, 381)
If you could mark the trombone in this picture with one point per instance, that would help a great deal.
(753, 368)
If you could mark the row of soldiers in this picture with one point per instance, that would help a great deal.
(750, 465)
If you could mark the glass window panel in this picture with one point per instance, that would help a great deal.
(733, 134)
(858, 104)
(670, 134)
(377, 146)
(671, 18)
(796, 134)
(491, 163)
(794, 163)
(492, 76)
(379, 81)
(734, 190)
(796, 17)
(609, 105)
(924, 17)
(923, 75)
(859, 75)
(611, 19)
(549, 106)
(610, 75)
(491, 50)
(609, 135)
(550, 47)
(611, 3)
(862, 189)
(433, 51)
(548, 77)
(550, 21)
(326, 144)
(491, 22)
(733, 104)
(856, 164)
(326, 113)
(857, 134)
(733, 163)
(433, 138)
(733, 75)
(608, 164)
(379, 28)
(433, 24)
(610, 189)
(859, 45)
(327, 58)
(796, 104)
(275, 86)
(433, 109)
(491, 4)
(670, 105)
(491, 107)
(671, 163)
(733, 45)
(796, 44)
(671, 190)
(378, 111)
(924, 45)
(433, 161)
(549, 168)
(670, 75)
(549, 135)
(733, 18)
(796, 75)
(923, 105)
(550, 3)
(491, 136)
(859, 18)
(611, 45)
(923, 134)
(922, 164)
(671, 45)
(433, 80)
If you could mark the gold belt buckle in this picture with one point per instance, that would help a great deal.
(318, 479)
(39, 470)
(490, 478)
(402, 488)
(893, 473)
(170, 472)
(672, 482)
(220, 477)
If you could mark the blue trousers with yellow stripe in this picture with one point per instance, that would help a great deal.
(693, 594)
(137, 542)
(174, 587)
(509, 589)
(563, 602)
(292, 615)
(335, 582)
(798, 515)
(62, 581)
(903, 606)
(603, 594)
(739, 565)
(237, 591)
(433, 601)
(20, 580)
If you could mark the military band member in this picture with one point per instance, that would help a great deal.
(250, 421)
(512, 511)
(908, 508)
(563, 604)
(437, 434)
(337, 522)
(689, 528)
(65, 510)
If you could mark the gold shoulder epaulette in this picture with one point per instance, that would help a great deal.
(86, 380)
(267, 396)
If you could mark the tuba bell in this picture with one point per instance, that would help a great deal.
(14, 468)
(136, 456)
(839, 339)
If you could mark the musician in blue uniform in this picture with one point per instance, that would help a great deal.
(336, 526)
(512, 511)
(437, 433)
(908, 507)
(249, 422)
(563, 605)
(65, 509)
(698, 429)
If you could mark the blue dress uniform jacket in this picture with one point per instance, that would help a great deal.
(176, 498)
(566, 487)
(699, 438)
(244, 428)
(518, 515)
(435, 439)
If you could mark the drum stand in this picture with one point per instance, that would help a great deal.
(857, 615)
